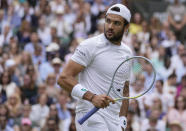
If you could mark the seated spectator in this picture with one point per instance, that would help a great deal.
(132, 125)
(165, 100)
(10, 66)
(137, 116)
(28, 90)
(18, 122)
(51, 87)
(51, 125)
(14, 51)
(40, 111)
(74, 43)
(177, 19)
(4, 126)
(144, 34)
(178, 113)
(7, 87)
(181, 88)
(34, 42)
(42, 89)
(63, 112)
(26, 125)
(37, 56)
(24, 62)
(44, 32)
(5, 112)
(155, 26)
(24, 33)
(57, 66)
(53, 113)
(157, 105)
(14, 105)
(175, 126)
(170, 85)
(179, 60)
(135, 26)
(32, 71)
(6, 34)
(153, 122)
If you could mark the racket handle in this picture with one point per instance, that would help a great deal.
(89, 114)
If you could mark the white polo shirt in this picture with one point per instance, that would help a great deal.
(101, 58)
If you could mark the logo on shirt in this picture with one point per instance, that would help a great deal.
(81, 52)
(83, 89)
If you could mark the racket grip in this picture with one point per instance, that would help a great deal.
(89, 114)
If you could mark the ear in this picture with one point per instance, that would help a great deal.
(126, 29)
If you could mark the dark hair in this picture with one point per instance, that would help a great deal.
(30, 68)
(137, 110)
(161, 82)
(1, 77)
(176, 102)
(6, 108)
(183, 78)
(125, 22)
(173, 75)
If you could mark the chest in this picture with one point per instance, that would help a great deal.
(107, 61)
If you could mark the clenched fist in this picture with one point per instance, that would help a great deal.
(102, 101)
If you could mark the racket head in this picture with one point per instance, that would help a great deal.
(133, 70)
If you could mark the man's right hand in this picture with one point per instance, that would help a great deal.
(102, 101)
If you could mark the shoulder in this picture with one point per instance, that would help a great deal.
(172, 111)
(127, 48)
(95, 41)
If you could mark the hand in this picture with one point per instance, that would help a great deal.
(102, 101)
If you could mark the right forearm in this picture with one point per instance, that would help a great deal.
(67, 83)
(88, 96)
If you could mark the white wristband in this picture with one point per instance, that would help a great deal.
(123, 122)
(78, 91)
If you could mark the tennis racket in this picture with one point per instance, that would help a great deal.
(132, 69)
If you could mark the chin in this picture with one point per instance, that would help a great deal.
(109, 38)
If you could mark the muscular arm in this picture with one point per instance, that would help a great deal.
(67, 80)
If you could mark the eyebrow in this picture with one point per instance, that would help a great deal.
(114, 19)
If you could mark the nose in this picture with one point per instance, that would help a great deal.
(111, 26)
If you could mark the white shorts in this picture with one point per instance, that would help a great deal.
(96, 123)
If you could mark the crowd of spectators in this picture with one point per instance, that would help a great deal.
(38, 37)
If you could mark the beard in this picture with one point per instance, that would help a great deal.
(116, 36)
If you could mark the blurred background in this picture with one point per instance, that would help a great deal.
(38, 37)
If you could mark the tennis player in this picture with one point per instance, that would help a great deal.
(95, 61)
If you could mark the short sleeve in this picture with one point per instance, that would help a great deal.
(83, 54)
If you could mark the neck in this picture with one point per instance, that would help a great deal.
(42, 105)
(180, 109)
(116, 42)
(153, 123)
(161, 92)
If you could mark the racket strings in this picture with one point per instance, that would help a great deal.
(140, 73)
